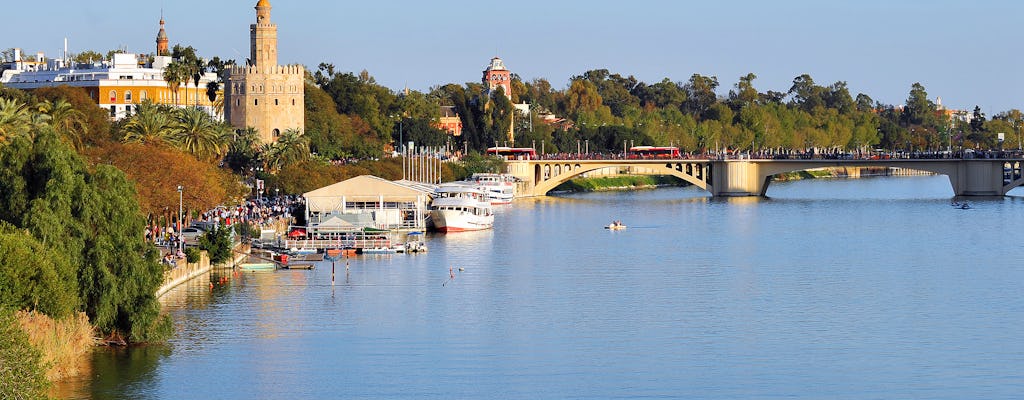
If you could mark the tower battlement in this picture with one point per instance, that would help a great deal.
(262, 94)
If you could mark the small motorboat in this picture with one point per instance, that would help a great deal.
(615, 226)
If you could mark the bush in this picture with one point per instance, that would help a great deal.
(192, 255)
(21, 371)
(217, 244)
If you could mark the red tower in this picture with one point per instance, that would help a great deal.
(161, 40)
(496, 75)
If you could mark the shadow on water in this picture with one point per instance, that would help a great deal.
(117, 372)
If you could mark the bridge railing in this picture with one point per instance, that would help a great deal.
(798, 155)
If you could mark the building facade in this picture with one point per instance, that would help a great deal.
(449, 121)
(262, 94)
(118, 85)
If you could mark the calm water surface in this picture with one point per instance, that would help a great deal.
(847, 289)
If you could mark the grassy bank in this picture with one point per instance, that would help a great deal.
(63, 344)
(811, 174)
(622, 182)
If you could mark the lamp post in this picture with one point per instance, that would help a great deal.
(181, 238)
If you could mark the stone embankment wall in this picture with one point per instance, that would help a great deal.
(184, 272)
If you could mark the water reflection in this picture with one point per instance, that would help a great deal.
(789, 296)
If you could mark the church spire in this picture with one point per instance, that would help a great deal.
(161, 38)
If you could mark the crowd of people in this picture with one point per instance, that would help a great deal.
(262, 212)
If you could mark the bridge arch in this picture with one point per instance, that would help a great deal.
(696, 173)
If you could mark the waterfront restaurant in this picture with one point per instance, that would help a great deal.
(368, 202)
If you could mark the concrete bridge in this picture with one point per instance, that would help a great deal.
(751, 177)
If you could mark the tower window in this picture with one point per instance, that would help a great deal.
(276, 103)
(238, 102)
(256, 102)
(277, 132)
(293, 102)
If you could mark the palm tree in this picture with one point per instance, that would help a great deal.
(292, 147)
(15, 119)
(68, 121)
(175, 74)
(243, 149)
(150, 124)
(197, 133)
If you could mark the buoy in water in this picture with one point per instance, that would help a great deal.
(461, 269)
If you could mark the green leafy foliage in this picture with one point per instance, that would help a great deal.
(34, 277)
(217, 244)
(90, 218)
(192, 255)
(21, 373)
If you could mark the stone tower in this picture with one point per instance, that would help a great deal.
(161, 40)
(262, 94)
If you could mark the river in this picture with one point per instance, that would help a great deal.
(840, 289)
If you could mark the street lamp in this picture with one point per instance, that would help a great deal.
(181, 238)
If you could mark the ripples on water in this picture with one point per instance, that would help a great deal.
(871, 288)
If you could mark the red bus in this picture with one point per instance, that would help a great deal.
(513, 153)
(642, 152)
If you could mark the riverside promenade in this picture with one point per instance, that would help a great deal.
(184, 271)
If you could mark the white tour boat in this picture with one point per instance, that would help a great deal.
(458, 208)
(499, 187)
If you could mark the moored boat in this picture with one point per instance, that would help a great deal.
(460, 208)
(500, 188)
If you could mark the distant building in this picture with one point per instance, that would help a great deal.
(119, 84)
(263, 94)
(953, 115)
(449, 121)
(497, 76)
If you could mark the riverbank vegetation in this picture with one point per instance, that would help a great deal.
(622, 182)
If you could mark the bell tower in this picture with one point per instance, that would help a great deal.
(263, 38)
(161, 39)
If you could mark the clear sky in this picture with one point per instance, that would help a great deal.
(968, 52)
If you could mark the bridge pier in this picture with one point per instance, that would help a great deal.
(737, 179)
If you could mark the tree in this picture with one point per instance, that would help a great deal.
(175, 74)
(919, 110)
(700, 94)
(151, 124)
(96, 121)
(243, 150)
(745, 94)
(196, 133)
(87, 57)
(157, 170)
(15, 119)
(92, 218)
(35, 277)
(291, 147)
(806, 95)
(69, 122)
(582, 97)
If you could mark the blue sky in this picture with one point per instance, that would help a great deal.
(968, 52)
